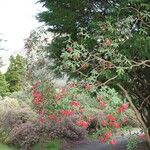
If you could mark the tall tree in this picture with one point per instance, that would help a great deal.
(115, 49)
(3, 86)
(14, 73)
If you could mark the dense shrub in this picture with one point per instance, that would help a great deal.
(26, 135)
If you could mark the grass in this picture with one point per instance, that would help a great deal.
(5, 147)
(51, 145)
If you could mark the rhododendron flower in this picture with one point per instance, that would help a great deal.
(67, 112)
(58, 96)
(102, 139)
(115, 124)
(102, 104)
(63, 90)
(125, 105)
(72, 85)
(36, 101)
(124, 120)
(108, 134)
(113, 141)
(104, 122)
(88, 87)
(83, 124)
(41, 112)
(111, 117)
(81, 110)
(75, 103)
(41, 120)
(69, 49)
(52, 117)
(142, 136)
(91, 118)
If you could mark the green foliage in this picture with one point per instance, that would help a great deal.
(15, 72)
(3, 85)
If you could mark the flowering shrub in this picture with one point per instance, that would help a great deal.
(60, 105)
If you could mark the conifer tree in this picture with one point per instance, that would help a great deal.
(15, 72)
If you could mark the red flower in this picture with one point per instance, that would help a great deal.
(81, 110)
(107, 42)
(108, 134)
(113, 141)
(90, 118)
(72, 85)
(83, 124)
(102, 104)
(36, 101)
(69, 49)
(88, 87)
(67, 112)
(125, 105)
(41, 120)
(115, 124)
(111, 117)
(104, 122)
(121, 110)
(142, 136)
(124, 120)
(52, 117)
(102, 139)
(58, 96)
(75, 103)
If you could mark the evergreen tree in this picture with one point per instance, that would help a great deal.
(14, 73)
(3, 85)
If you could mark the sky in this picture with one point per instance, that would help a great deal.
(17, 19)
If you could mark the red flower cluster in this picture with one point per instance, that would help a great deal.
(69, 49)
(111, 117)
(75, 103)
(83, 124)
(88, 87)
(107, 136)
(37, 97)
(67, 112)
(123, 107)
(102, 104)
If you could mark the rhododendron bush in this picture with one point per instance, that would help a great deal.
(55, 105)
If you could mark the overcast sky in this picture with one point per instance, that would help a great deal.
(17, 19)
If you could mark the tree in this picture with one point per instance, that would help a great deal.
(112, 50)
(3, 85)
(14, 73)
(65, 18)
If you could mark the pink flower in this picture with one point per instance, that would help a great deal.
(113, 141)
